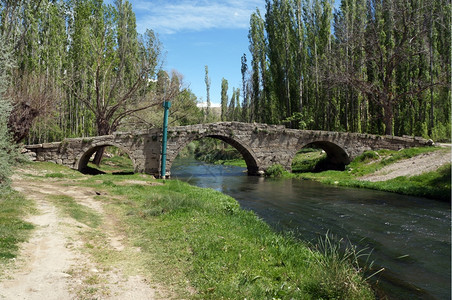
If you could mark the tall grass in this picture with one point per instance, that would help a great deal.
(331, 272)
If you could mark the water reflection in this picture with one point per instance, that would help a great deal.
(410, 236)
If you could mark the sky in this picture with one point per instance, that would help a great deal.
(196, 33)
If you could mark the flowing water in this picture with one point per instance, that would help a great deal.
(409, 236)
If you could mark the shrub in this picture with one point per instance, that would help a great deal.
(275, 171)
(7, 150)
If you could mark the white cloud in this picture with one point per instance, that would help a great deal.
(169, 17)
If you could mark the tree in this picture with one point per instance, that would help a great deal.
(231, 107)
(207, 81)
(390, 44)
(184, 110)
(384, 69)
(245, 107)
(117, 82)
(238, 109)
(32, 29)
(224, 99)
(6, 146)
(257, 48)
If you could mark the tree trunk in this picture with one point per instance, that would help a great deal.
(103, 128)
(388, 119)
(98, 157)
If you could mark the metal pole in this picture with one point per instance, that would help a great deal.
(166, 105)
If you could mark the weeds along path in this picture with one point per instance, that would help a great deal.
(55, 263)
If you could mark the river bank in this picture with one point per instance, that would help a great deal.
(423, 172)
(407, 236)
(167, 238)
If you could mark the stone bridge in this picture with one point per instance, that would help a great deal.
(261, 145)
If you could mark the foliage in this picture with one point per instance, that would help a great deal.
(224, 99)
(8, 152)
(183, 109)
(207, 81)
(82, 70)
(275, 171)
(238, 162)
(371, 66)
(367, 156)
(213, 150)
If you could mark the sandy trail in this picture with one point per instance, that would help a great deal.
(51, 264)
(44, 261)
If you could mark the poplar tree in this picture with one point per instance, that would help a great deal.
(207, 81)
(224, 100)
(259, 70)
(231, 107)
(245, 106)
(384, 69)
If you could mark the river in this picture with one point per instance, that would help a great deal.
(409, 236)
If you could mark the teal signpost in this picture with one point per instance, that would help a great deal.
(166, 105)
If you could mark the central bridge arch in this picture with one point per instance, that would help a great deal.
(247, 153)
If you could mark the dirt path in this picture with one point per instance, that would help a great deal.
(54, 265)
(417, 165)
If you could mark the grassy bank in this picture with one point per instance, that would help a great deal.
(435, 185)
(14, 207)
(202, 244)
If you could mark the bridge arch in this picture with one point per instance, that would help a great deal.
(83, 158)
(337, 156)
(247, 153)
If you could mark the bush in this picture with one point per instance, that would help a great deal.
(275, 171)
(7, 150)
(441, 133)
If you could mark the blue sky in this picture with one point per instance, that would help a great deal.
(196, 33)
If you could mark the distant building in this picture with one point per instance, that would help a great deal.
(215, 108)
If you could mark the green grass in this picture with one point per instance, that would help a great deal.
(233, 162)
(50, 170)
(79, 212)
(115, 164)
(203, 237)
(13, 229)
(435, 185)
(306, 160)
(202, 244)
